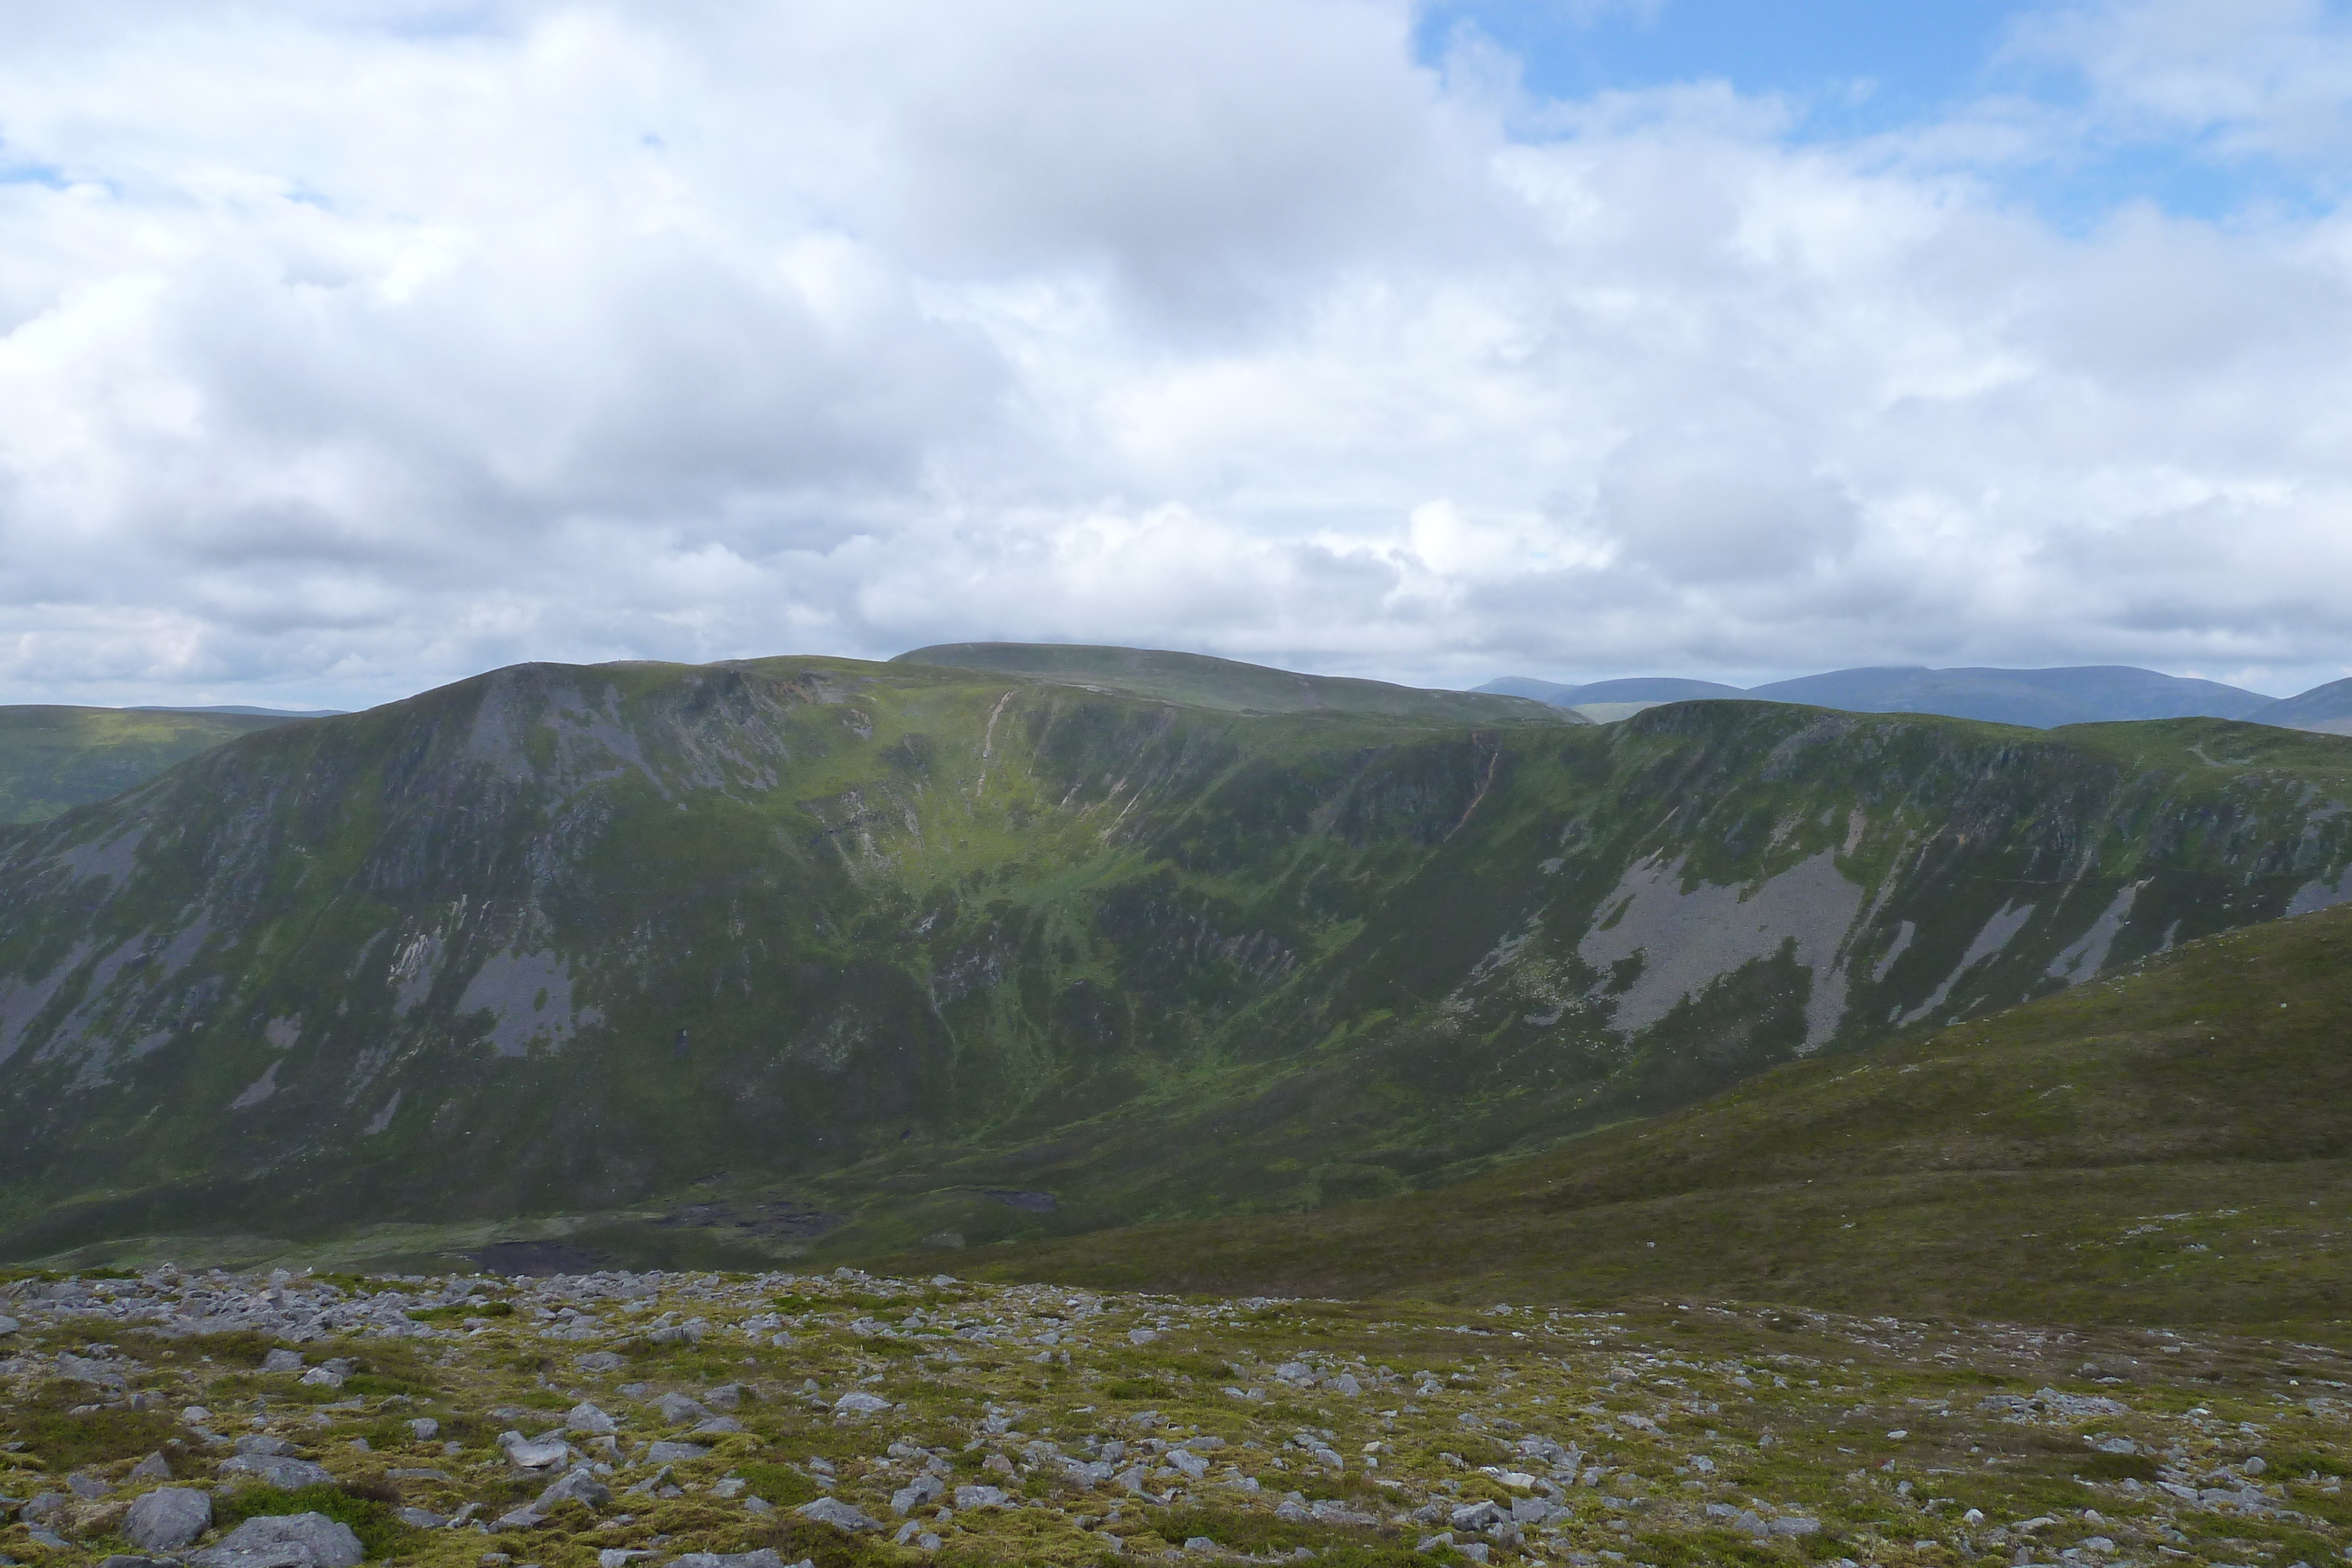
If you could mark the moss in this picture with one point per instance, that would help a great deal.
(373, 1519)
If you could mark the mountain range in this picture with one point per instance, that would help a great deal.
(2036, 699)
(993, 942)
(54, 759)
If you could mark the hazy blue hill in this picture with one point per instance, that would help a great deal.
(2038, 699)
(1197, 680)
(1633, 689)
(281, 714)
(54, 759)
(561, 939)
(2327, 710)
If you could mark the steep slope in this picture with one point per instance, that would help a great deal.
(55, 759)
(2171, 1145)
(2324, 710)
(559, 939)
(1197, 680)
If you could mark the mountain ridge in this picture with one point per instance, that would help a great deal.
(558, 938)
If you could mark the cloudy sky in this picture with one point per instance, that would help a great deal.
(352, 346)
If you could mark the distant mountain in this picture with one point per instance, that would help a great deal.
(1197, 680)
(55, 759)
(2324, 709)
(1636, 689)
(2036, 699)
(279, 713)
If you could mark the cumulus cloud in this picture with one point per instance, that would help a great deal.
(346, 348)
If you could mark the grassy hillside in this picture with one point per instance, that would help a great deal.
(707, 951)
(1197, 680)
(55, 759)
(2172, 1143)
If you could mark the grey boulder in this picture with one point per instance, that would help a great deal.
(534, 1453)
(910, 1498)
(840, 1515)
(766, 1557)
(677, 1409)
(168, 1520)
(282, 1361)
(286, 1540)
(287, 1474)
(670, 1453)
(582, 1484)
(154, 1467)
(262, 1443)
(589, 1421)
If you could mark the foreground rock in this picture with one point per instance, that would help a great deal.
(540, 1421)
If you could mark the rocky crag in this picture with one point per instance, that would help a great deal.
(956, 953)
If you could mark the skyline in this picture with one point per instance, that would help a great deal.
(351, 348)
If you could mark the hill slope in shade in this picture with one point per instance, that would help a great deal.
(2036, 699)
(562, 939)
(2325, 710)
(1197, 680)
(2172, 1143)
(54, 759)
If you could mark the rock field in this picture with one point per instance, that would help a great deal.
(758, 1421)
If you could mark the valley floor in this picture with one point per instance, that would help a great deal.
(848, 1418)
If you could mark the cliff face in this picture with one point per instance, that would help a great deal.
(558, 938)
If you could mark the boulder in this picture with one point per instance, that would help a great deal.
(677, 1409)
(168, 1520)
(282, 1361)
(670, 1453)
(978, 1497)
(601, 1361)
(534, 1453)
(581, 1485)
(154, 1467)
(840, 1515)
(262, 1443)
(589, 1421)
(859, 1403)
(915, 1493)
(286, 1474)
(286, 1540)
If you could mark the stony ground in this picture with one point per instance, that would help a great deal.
(844, 1419)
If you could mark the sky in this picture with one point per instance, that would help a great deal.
(352, 347)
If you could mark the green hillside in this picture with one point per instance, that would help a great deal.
(687, 955)
(2170, 1144)
(55, 759)
(1197, 680)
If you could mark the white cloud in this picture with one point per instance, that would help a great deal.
(348, 348)
(2270, 77)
